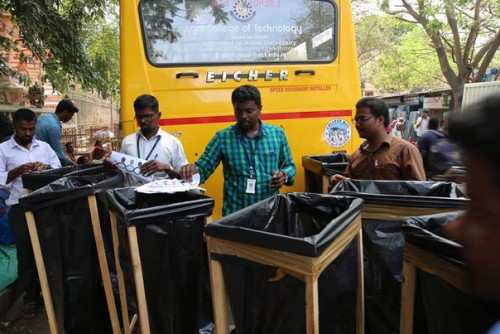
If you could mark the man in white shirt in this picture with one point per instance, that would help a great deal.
(422, 124)
(19, 155)
(164, 153)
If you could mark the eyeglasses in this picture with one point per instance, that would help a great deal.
(361, 119)
(146, 117)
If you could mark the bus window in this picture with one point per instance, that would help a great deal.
(243, 31)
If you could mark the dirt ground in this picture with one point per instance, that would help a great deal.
(12, 322)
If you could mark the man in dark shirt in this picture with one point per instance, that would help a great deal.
(427, 140)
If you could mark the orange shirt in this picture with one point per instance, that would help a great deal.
(395, 159)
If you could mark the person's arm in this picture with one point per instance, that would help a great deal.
(210, 159)
(286, 161)
(54, 140)
(413, 165)
(419, 121)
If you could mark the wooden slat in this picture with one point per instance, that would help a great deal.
(360, 304)
(127, 326)
(312, 307)
(452, 273)
(42, 273)
(407, 298)
(139, 280)
(103, 264)
(394, 213)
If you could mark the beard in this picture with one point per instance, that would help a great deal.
(23, 140)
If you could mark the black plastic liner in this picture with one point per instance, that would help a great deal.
(300, 223)
(172, 252)
(444, 309)
(34, 181)
(316, 166)
(69, 251)
(383, 240)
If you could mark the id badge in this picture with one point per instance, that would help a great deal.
(251, 186)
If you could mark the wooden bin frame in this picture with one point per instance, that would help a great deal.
(103, 265)
(305, 268)
(142, 317)
(415, 257)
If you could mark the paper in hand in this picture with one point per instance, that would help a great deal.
(130, 165)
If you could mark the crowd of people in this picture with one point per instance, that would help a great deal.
(257, 162)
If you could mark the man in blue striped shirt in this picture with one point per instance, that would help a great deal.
(256, 157)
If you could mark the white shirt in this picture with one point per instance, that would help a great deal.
(162, 147)
(13, 155)
(424, 126)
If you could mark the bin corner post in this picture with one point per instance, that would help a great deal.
(360, 303)
(407, 297)
(42, 273)
(127, 324)
(312, 305)
(219, 296)
(139, 280)
(325, 184)
(103, 264)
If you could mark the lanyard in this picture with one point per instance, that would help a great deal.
(250, 154)
(152, 149)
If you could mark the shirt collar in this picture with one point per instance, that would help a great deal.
(261, 133)
(158, 133)
(386, 142)
(13, 143)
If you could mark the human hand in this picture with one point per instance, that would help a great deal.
(153, 166)
(187, 172)
(334, 179)
(278, 179)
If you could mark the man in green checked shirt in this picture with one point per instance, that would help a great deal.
(256, 157)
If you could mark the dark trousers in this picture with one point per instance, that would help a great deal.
(27, 273)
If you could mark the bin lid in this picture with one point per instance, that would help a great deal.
(328, 164)
(37, 180)
(433, 194)
(427, 232)
(300, 223)
(138, 208)
(68, 188)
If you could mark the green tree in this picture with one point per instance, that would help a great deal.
(409, 64)
(465, 35)
(54, 31)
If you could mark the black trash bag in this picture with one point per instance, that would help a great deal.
(170, 236)
(63, 222)
(317, 166)
(300, 223)
(383, 240)
(36, 180)
(445, 309)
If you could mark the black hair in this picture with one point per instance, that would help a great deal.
(146, 101)
(376, 106)
(477, 129)
(246, 93)
(68, 143)
(66, 104)
(6, 129)
(434, 123)
(23, 114)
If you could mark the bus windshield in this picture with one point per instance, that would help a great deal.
(238, 31)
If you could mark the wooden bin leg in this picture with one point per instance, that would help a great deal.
(325, 183)
(219, 296)
(42, 273)
(360, 304)
(139, 280)
(103, 265)
(407, 298)
(312, 305)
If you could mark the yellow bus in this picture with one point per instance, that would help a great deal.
(192, 54)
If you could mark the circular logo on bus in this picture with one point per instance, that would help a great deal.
(242, 11)
(337, 132)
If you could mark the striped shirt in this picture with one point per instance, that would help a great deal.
(267, 152)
